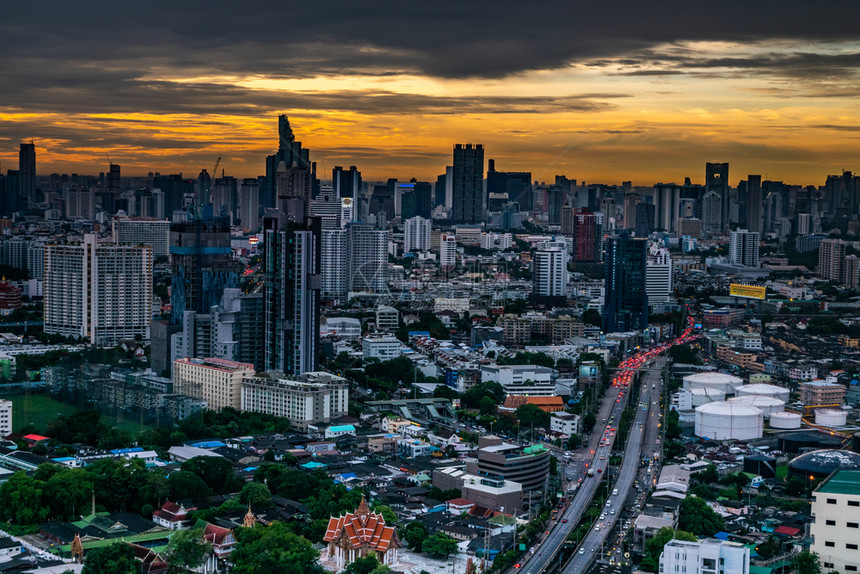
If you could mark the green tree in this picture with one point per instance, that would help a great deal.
(68, 492)
(532, 415)
(117, 558)
(256, 494)
(592, 317)
(387, 513)
(654, 546)
(769, 548)
(673, 425)
(183, 484)
(807, 563)
(708, 475)
(588, 422)
(699, 518)
(187, 549)
(21, 499)
(366, 565)
(215, 471)
(415, 534)
(487, 406)
(439, 544)
(273, 549)
(472, 397)
(445, 392)
(648, 564)
(574, 441)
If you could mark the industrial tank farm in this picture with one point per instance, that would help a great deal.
(785, 420)
(763, 390)
(720, 381)
(767, 405)
(725, 420)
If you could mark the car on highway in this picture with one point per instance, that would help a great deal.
(517, 565)
(597, 528)
(582, 550)
(610, 512)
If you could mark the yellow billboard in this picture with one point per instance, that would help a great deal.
(747, 291)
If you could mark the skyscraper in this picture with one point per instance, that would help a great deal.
(831, 258)
(549, 278)
(586, 236)
(508, 186)
(368, 257)
(717, 180)
(743, 249)
(346, 183)
(658, 279)
(249, 204)
(626, 306)
(416, 234)
(712, 213)
(753, 203)
(667, 196)
(27, 173)
(469, 202)
(291, 155)
(334, 265)
(292, 293)
(644, 219)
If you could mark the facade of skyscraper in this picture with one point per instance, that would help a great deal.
(644, 219)
(143, 231)
(469, 201)
(447, 250)
(508, 186)
(346, 182)
(281, 165)
(658, 278)
(743, 248)
(202, 264)
(100, 293)
(712, 213)
(831, 258)
(549, 277)
(667, 196)
(292, 294)
(27, 174)
(334, 265)
(416, 234)
(249, 204)
(626, 299)
(368, 257)
(753, 203)
(586, 236)
(717, 180)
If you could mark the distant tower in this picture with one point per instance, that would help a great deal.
(469, 202)
(754, 203)
(27, 173)
(717, 180)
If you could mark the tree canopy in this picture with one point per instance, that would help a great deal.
(699, 518)
(273, 549)
(117, 558)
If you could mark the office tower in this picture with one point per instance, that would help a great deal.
(290, 155)
(346, 183)
(557, 196)
(447, 250)
(658, 275)
(709, 556)
(626, 306)
(831, 255)
(803, 224)
(292, 293)
(504, 187)
(689, 227)
(27, 174)
(174, 188)
(347, 211)
(143, 231)
(567, 218)
(666, 196)
(10, 188)
(100, 293)
(631, 200)
(717, 180)
(743, 249)
(439, 191)
(419, 202)
(416, 234)
(202, 265)
(367, 257)
(224, 192)
(645, 215)
(712, 213)
(469, 202)
(334, 265)
(754, 203)
(586, 236)
(80, 203)
(382, 201)
(549, 278)
(249, 204)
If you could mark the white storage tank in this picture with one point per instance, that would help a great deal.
(767, 405)
(724, 420)
(763, 390)
(831, 418)
(785, 420)
(721, 381)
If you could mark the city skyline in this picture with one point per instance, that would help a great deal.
(767, 87)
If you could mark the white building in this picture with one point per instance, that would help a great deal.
(5, 417)
(550, 272)
(334, 279)
(527, 380)
(743, 249)
(316, 398)
(447, 250)
(102, 293)
(383, 348)
(387, 318)
(658, 275)
(705, 557)
(835, 525)
(143, 231)
(216, 381)
(416, 234)
(564, 423)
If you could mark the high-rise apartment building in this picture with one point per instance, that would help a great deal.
(754, 203)
(835, 527)
(346, 183)
(712, 213)
(549, 277)
(667, 197)
(416, 234)
(368, 257)
(334, 265)
(202, 264)
(831, 257)
(512, 187)
(469, 201)
(447, 250)
(658, 275)
(143, 231)
(216, 381)
(27, 174)
(586, 236)
(100, 293)
(645, 224)
(314, 398)
(249, 204)
(705, 557)
(289, 171)
(292, 294)
(224, 197)
(5, 417)
(743, 248)
(80, 202)
(851, 272)
(327, 206)
(626, 306)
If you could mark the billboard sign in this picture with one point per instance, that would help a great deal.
(747, 291)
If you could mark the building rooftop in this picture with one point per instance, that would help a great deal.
(841, 482)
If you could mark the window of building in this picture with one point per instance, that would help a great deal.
(830, 522)
(831, 501)
(829, 544)
(854, 503)
(851, 546)
(850, 568)
(853, 525)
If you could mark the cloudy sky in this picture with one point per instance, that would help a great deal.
(600, 91)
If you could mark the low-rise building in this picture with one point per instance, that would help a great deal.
(5, 417)
(835, 525)
(493, 492)
(527, 380)
(384, 348)
(822, 393)
(706, 557)
(216, 381)
(564, 423)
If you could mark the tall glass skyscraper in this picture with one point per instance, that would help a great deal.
(469, 202)
(626, 305)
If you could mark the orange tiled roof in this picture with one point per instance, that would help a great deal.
(362, 528)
